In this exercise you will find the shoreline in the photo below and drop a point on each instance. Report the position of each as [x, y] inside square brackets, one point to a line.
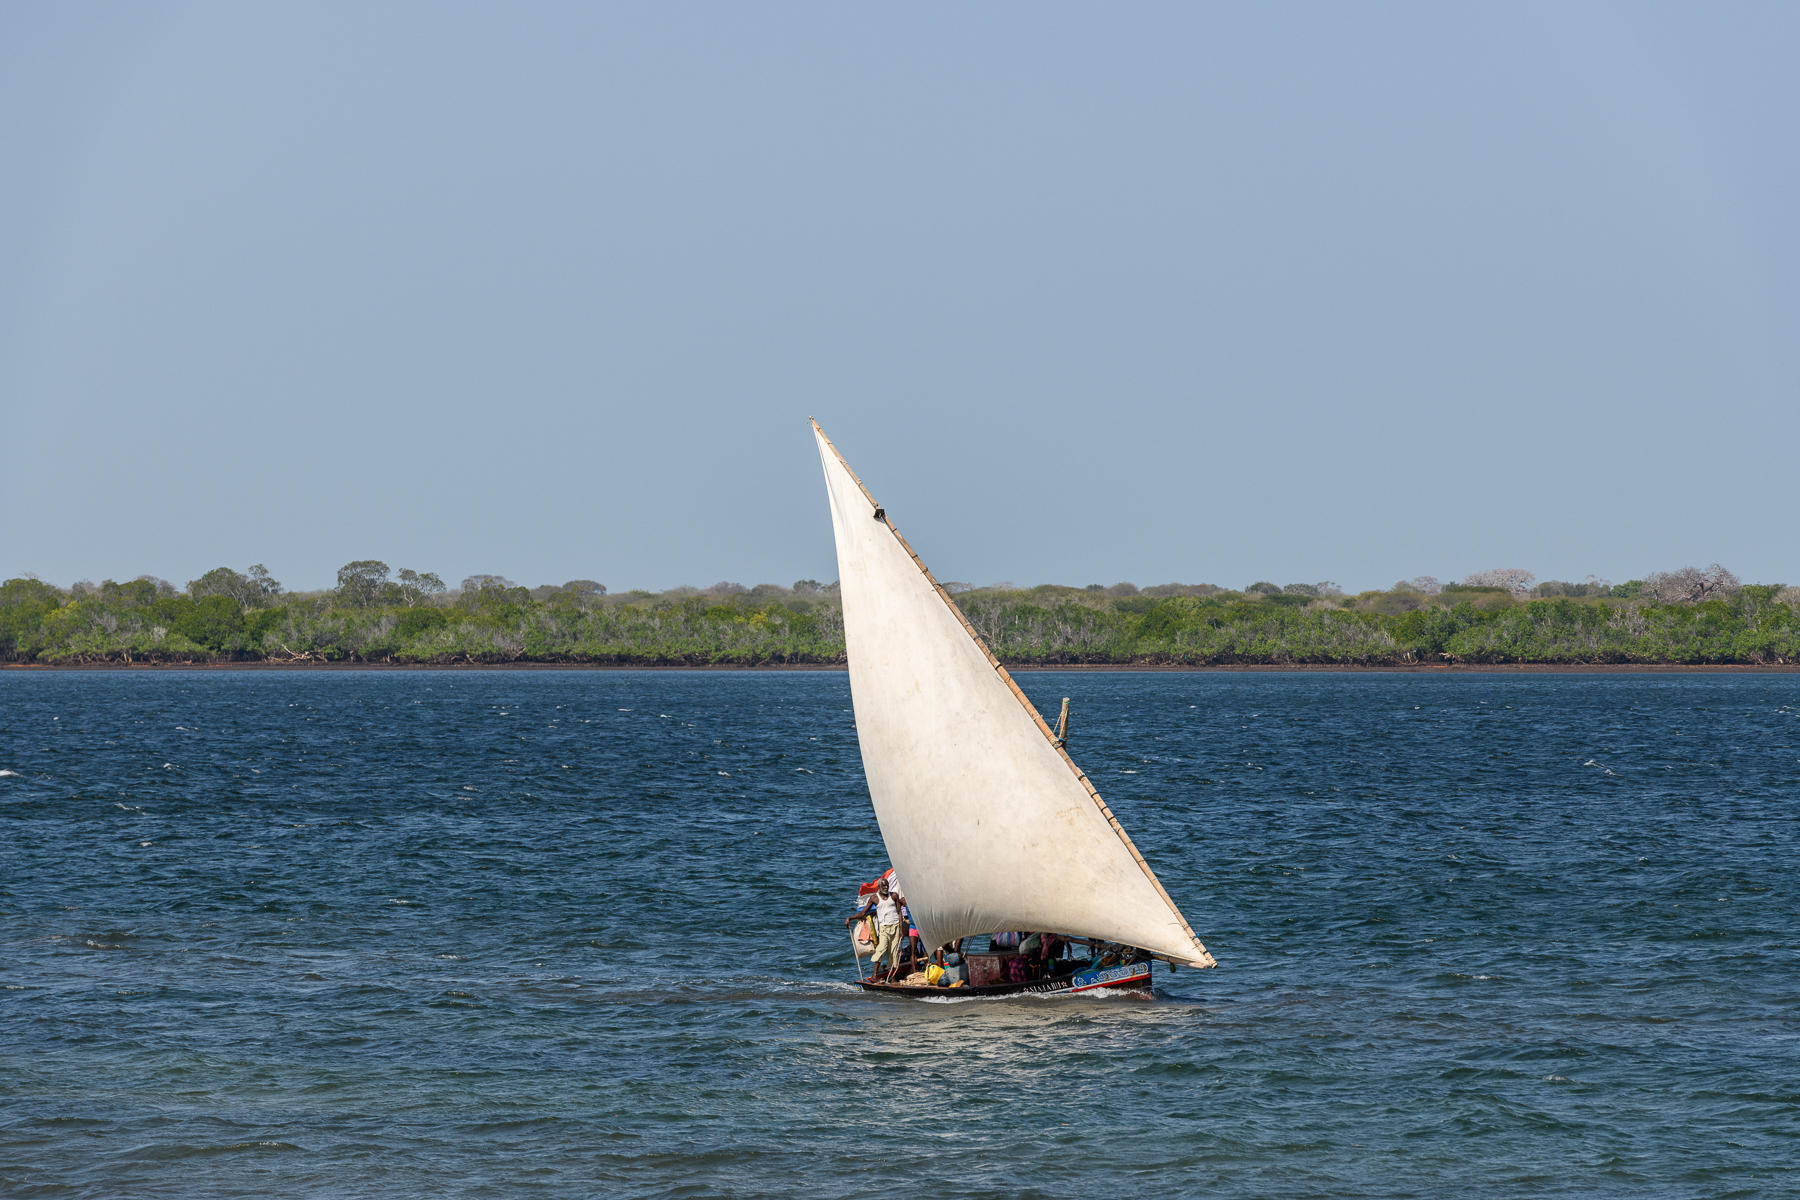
[1091, 668]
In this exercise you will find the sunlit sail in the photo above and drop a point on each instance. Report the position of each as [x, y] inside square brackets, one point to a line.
[986, 818]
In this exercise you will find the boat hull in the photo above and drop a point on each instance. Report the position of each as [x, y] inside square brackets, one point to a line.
[1133, 977]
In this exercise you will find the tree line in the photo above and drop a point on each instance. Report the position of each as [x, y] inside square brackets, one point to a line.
[379, 615]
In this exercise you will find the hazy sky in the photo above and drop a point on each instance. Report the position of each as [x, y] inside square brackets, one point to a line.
[1197, 293]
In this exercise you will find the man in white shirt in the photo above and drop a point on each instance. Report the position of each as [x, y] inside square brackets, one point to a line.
[887, 926]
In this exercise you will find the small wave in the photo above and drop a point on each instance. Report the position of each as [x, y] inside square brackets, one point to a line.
[1107, 996]
[190, 1150]
[1103, 995]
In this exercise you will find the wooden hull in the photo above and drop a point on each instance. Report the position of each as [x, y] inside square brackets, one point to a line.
[1134, 977]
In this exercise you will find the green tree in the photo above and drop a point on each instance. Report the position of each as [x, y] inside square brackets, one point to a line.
[415, 622]
[215, 622]
[475, 584]
[266, 585]
[135, 593]
[419, 587]
[24, 605]
[361, 583]
[579, 593]
[246, 591]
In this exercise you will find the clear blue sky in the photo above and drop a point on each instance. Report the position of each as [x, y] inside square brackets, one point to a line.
[1207, 293]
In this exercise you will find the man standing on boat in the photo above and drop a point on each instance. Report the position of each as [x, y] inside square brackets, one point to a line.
[887, 926]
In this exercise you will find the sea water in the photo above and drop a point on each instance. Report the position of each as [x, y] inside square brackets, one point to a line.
[560, 934]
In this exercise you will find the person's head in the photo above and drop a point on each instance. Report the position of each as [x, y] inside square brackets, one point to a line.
[884, 887]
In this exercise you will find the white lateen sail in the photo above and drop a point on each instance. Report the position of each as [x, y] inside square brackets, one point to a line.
[988, 822]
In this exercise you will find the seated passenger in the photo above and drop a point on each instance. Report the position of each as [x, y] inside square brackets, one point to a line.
[950, 957]
[1031, 955]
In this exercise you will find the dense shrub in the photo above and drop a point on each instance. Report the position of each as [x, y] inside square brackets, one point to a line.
[494, 621]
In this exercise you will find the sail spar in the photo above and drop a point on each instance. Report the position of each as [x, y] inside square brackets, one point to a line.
[989, 823]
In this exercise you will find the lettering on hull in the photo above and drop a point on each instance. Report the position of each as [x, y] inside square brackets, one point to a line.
[1110, 977]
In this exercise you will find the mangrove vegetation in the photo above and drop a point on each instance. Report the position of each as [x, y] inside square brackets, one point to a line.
[378, 615]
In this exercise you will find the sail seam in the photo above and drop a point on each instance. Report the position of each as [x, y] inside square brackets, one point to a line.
[1018, 693]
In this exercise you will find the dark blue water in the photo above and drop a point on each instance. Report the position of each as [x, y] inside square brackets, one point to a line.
[579, 934]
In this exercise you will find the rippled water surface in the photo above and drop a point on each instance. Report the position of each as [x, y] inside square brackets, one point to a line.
[579, 934]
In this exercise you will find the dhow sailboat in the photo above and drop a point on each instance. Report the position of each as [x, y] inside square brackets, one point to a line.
[993, 829]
